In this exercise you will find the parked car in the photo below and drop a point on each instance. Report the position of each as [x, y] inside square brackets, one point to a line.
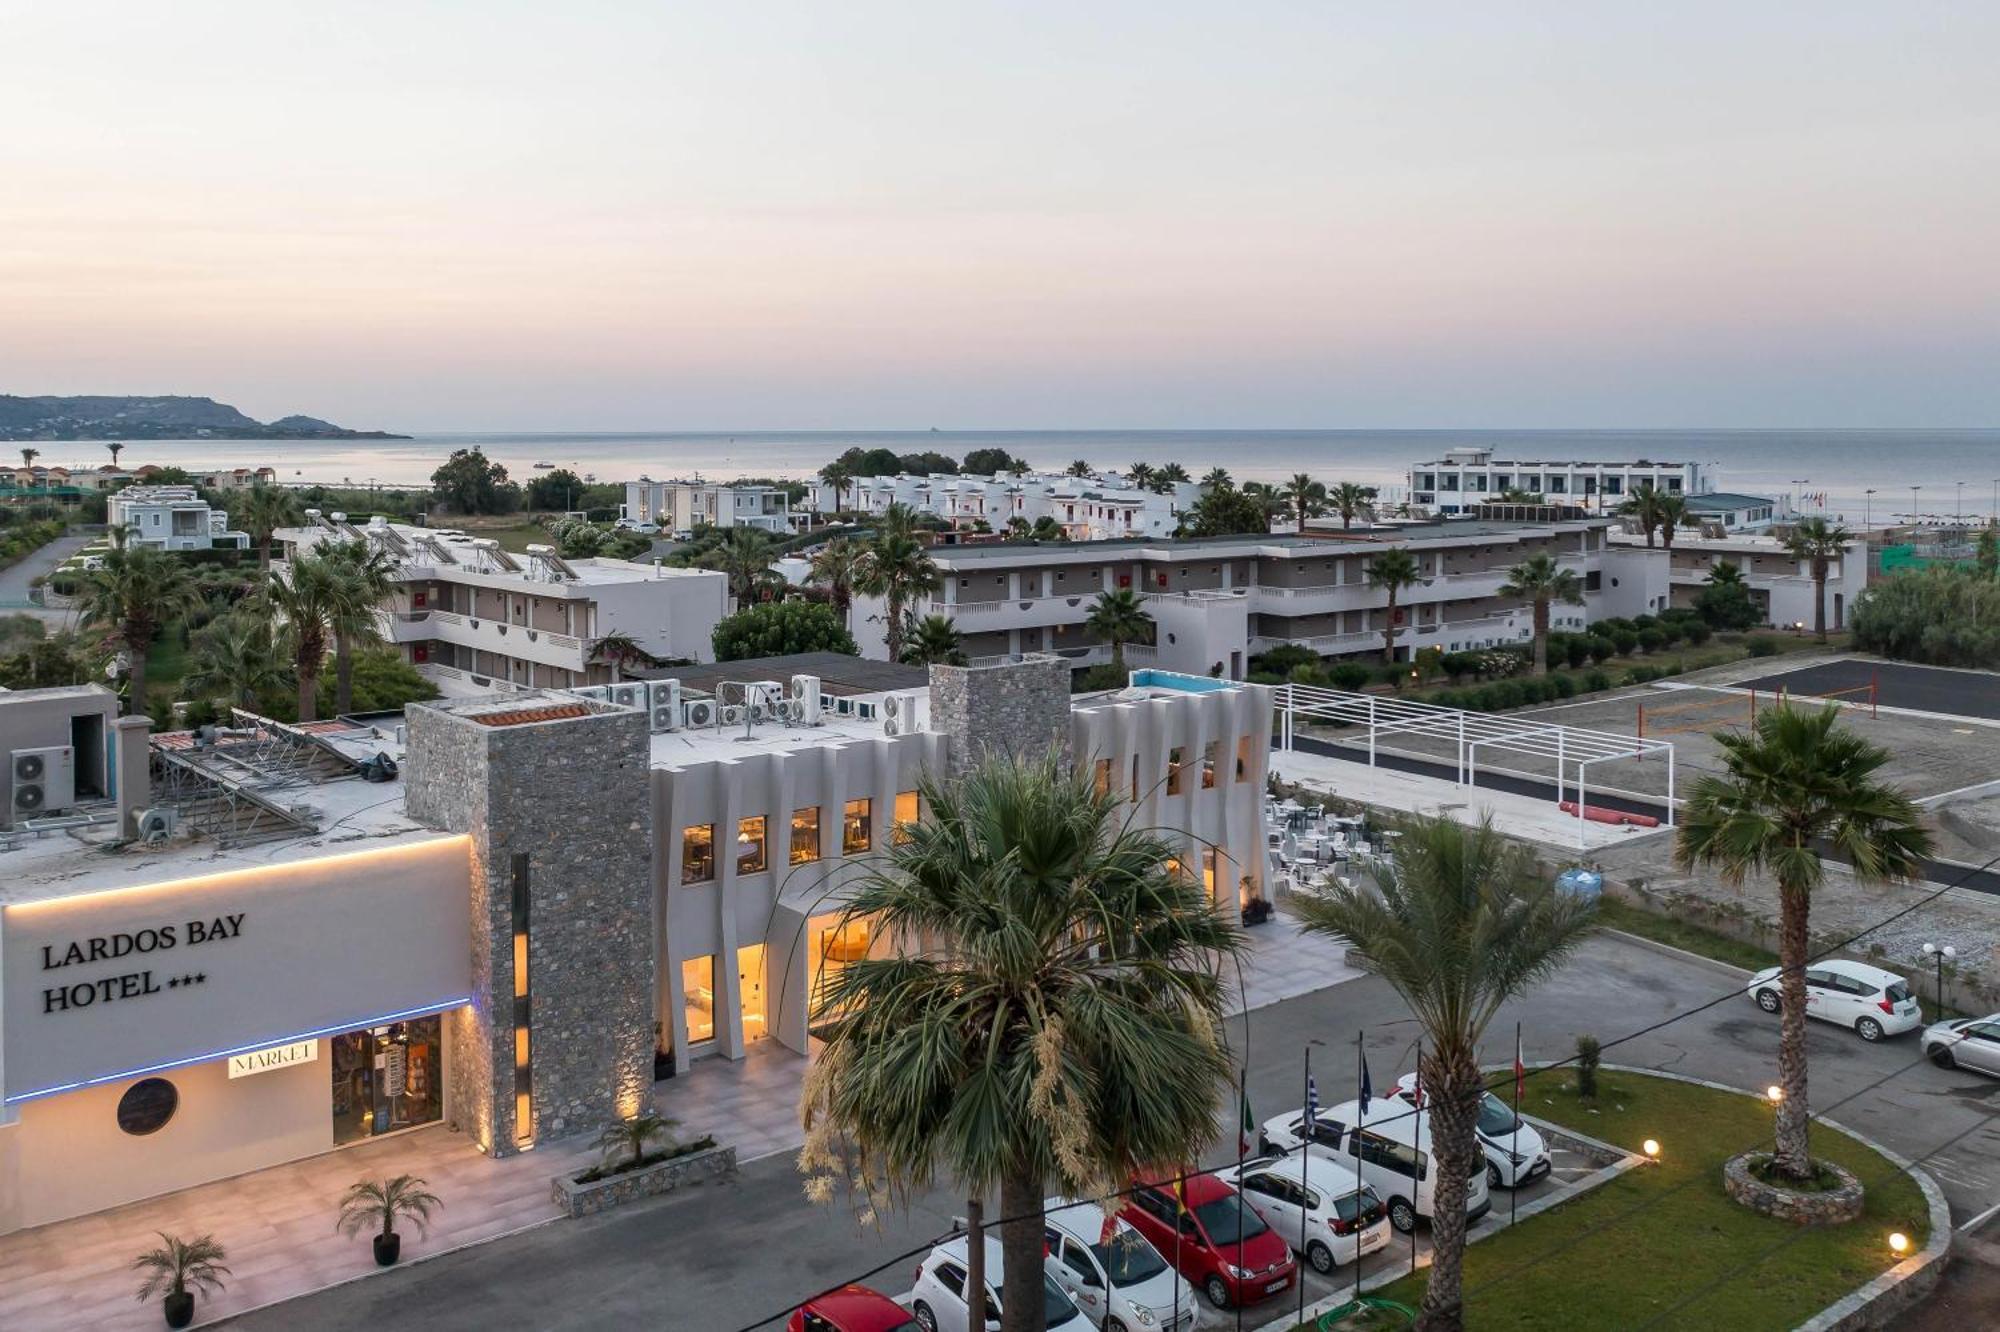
[1390, 1150]
[1320, 1208]
[1216, 1238]
[1872, 1002]
[1972, 1043]
[851, 1309]
[1121, 1284]
[638, 525]
[1515, 1153]
[938, 1298]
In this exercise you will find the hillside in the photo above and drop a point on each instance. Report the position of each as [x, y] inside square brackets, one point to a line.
[172, 417]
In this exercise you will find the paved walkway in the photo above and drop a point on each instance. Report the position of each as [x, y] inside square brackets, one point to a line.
[16, 579]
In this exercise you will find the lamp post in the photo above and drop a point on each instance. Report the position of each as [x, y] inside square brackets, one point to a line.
[1867, 506]
[1960, 515]
[1798, 492]
[1940, 955]
[1913, 503]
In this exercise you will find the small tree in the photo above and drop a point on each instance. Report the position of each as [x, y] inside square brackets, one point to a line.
[628, 1137]
[1643, 507]
[1540, 580]
[1350, 501]
[178, 1268]
[1305, 497]
[1391, 572]
[1588, 1057]
[932, 640]
[1119, 618]
[378, 1204]
[778, 628]
[1817, 543]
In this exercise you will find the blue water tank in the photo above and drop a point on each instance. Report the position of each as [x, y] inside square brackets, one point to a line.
[1580, 882]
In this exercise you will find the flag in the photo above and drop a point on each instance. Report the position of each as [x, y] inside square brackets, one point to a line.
[1312, 1105]
[1180, 1192]
[1520, 1069]
[1367, 1091]
[1246, 1134]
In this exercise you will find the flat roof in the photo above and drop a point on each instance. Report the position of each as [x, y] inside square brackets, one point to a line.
[1283, 543]
[837, 672]
[1725, 499]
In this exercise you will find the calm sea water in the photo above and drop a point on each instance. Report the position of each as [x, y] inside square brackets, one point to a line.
[1958, 470]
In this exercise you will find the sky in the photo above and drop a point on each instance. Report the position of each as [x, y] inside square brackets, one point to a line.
[644, 216]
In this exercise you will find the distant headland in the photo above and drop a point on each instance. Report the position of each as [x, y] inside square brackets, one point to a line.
[171, 417]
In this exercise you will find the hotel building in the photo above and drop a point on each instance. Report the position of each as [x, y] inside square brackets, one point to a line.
[682, 506]
[1088, 508]
[171, 518]
[225, 951]
[1780, 585]
[1465, 478]
[475, 618]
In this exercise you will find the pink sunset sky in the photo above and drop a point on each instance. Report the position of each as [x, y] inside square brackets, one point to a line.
[807, 215]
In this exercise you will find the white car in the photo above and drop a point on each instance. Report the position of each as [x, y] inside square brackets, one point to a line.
[1515, 1153]
[1121, 1286]
[1320, 1207]
[937, 1301]
[1972, 1043]
[638, 525]
[1871, 1002]
[1390, 1148]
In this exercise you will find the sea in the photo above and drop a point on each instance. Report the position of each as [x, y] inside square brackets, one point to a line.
[1852, 475]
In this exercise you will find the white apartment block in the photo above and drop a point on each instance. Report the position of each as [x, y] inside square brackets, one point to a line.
[1465, 478]
[475, 618]
[1088, 508]
[171, 518]
[682, 506]
[1780, 586]
[1215, 602]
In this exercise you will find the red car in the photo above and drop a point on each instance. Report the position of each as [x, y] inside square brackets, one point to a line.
[1223, 1244]
[851, 1309]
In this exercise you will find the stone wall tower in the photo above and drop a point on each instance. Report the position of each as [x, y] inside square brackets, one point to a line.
[1019, 707]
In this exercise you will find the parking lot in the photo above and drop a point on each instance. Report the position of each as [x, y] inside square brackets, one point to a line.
[1895, 685]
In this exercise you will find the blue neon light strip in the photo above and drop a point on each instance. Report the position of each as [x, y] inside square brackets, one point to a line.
[357, 1024]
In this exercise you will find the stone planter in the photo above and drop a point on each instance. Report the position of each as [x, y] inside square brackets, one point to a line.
[646, 1182]
[1825, 1207]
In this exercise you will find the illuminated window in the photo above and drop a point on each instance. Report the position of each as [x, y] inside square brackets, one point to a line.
[750, 982]
[1243, 754]
[698, 998]
[1102, 778]
[698, 853]
[524, 1071]
[857, 827]
[1211, 755]
[1208, 873]
[805, 835]
[750, 845]
[1176, 757]
[835, 947]
[907, 813]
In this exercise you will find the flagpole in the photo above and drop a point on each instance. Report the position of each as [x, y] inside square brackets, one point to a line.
[1242, 1099]
[1180, 1205]
[1361, 1063]
[1305, 1170]
[1419, 1137]
[1514, 1153]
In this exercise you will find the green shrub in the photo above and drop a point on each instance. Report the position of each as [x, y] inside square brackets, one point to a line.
[1349, 675]
[1627, 641]
[1651, 639]
[1596, 682]
[1643, 622]
[1283, 660]
[1588, 1056]
[1577, 650]
[1940, 616]
[1602, 649]
[1697, 632]
[1763, 645]
[1564, 686]
[1458, 664]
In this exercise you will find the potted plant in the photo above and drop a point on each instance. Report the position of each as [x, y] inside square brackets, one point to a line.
[180, 1267]
[632, 1135]
[380, 1202]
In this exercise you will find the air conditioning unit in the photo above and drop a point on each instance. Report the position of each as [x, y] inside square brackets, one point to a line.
[805, 693]
[892, 706]
[665, 700]
[760, 711]
[44, 780]
[155, 825]
[732, 714]
[629, 695]
[600, 693]
[702, 712]
[890, 726]
[794, 710]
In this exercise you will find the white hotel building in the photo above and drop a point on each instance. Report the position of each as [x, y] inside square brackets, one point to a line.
[1465, 478]
[682, 506]
[171, 518]
[1088, 508]
[224, 952]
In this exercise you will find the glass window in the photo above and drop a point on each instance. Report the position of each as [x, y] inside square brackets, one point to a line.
[1208, 873]
[1221, 1218]
[698, 998]
[1496, 1118]
[857, 827]
[389, 1078]
[698, 853]
[750, 980]
[805, 835]
[1077, 1261]
[908, 812]
[1135, 778]
[1101, 777]
[1176, 757]
[750, 845]
[147, 1105]
[1211, 755]
[1128, 1259]
[952, 1279]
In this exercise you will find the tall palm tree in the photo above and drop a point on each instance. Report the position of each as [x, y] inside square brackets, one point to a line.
[932, 640]
[835, 566]
[1350, 501]
[1391, 572]
[235, 657]
[138, 592]
[262, 510]
[1216, 478]
[1141, 475]
[1796, 780]
[1063, 1029]
[1673, 512]
[836, 475]
[28, 456]
[1079, 467]
[363, 585]
[1463, 922]
[1119, 617]
[745, 556]
[1540, 580]
[1169, 476]
[308, 598]
[1305, 496]
[1818, 543]
[116, 448]
[1643, 506]
[896, 568]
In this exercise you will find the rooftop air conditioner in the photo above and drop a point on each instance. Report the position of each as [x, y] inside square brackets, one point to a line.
[702, 712]
[155, 825]
[892, 706]
[44, 780]
[890, 726]
[600, 693]
[805, 693]
[665, 701]
[732, 714]
[629, 695]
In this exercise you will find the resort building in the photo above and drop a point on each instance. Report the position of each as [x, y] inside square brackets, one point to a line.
[1736, 513]
[473, 617]
[1463, 479]
[1087, 508]
[682, 506]
[1780, 585]
[171, 518]
[228, 950]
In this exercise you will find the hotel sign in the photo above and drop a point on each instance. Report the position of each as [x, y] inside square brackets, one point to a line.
[278, 1056]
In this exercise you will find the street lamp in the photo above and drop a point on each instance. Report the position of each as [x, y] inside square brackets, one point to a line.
[1867, 506]
[1941, 955]
[1960, 517]
[1798, 491]
[1913, 502]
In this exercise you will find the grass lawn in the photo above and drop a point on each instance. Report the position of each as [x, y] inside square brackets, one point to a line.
[1681, 934]
[1664, 1242]
[168, 661]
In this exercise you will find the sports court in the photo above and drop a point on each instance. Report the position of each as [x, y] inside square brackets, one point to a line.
[1917, 688]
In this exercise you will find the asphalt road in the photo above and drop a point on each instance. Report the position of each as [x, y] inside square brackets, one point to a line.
[716, 1258]
[15, 579]
[1918, 688]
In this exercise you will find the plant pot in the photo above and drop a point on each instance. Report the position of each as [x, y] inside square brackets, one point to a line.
[388, 1248]
[178, 1307]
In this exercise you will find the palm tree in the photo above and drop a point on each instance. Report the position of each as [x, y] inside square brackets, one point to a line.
[1540, 580]
[896, 567]
[1141, 475]
[1305, 496]
[1463, 922]
[932, 640]
[1673, 512]
[1391, 572]
[1643, 506]
[1796, 780]
[138, 592]
[1079, 467]
[371, 1203]
[1348, 500]
[235, 657]
[262, 510]
[1062, 1030]
[179, 1264]
[836, 475]
[308, 598]
[1166, 478]
[1818, 543]
[1047, 528]
[1119, 618]
[629, 1137]
[1726, 574]
[745, 556]
[363, 583]
[116, 448]
[29, 455]
[835, 566]
[1216, 478]
[618, 651]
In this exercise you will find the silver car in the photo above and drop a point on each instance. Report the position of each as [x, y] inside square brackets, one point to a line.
[1972, 1043]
